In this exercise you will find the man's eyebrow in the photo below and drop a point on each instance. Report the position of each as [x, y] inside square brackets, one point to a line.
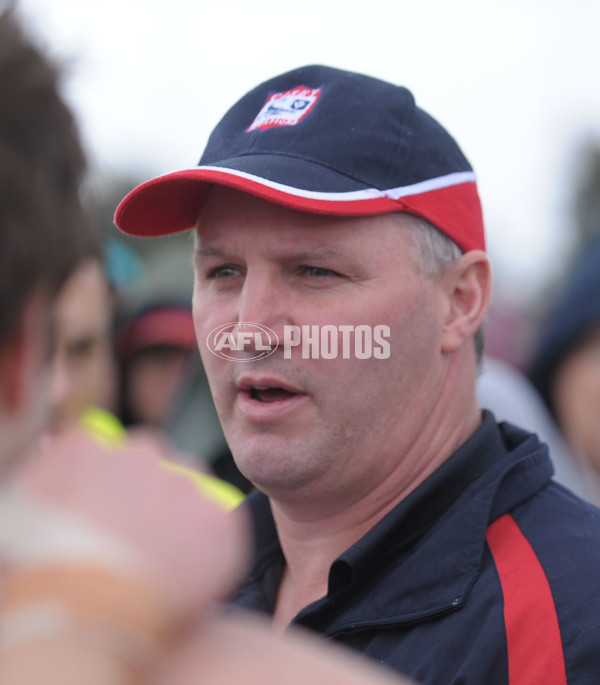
[206, 251]
[319, 251]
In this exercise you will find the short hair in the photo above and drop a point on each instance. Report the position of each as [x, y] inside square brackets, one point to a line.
[433, 252]
[43, 226]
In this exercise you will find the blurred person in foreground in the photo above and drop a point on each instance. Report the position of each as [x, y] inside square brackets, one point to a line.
[104, 556]
[565, 365]
[91, 579]
[341, 286]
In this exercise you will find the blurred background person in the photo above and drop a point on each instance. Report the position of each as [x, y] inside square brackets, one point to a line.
[511, 396]
[83, 367]
[565, 365]
[163, 395]
[154, 339]
[154, 348]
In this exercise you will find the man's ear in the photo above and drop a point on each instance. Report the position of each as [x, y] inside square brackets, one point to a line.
[468, 287]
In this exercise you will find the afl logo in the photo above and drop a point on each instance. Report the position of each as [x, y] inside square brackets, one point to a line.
[242, 342]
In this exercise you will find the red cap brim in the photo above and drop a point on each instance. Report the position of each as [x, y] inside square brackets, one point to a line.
[171, 203]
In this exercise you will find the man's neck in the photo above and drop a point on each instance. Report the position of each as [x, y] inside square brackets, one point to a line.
[310, 547]
[312, 536]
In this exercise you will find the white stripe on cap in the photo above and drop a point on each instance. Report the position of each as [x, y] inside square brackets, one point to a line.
[447, 181]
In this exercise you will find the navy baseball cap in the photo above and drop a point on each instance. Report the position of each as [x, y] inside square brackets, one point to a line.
[324, 141]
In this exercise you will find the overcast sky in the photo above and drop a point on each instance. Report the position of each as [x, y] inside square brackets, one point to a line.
[515, 82]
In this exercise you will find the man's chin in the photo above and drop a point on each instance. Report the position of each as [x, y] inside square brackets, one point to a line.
[264, 463]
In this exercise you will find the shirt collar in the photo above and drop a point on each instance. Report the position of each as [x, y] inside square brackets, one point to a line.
[431, 543]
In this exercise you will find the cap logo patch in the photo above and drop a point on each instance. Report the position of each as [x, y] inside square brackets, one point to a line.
[286, 109]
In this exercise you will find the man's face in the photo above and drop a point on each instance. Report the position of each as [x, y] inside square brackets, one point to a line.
[299, 426]
[81, 365]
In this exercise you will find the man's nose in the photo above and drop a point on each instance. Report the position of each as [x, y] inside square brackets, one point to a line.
[263, 303]
[261, 300]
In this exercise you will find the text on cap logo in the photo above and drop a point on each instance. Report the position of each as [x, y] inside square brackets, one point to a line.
[286, 109]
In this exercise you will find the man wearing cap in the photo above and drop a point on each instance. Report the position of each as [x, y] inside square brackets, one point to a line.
[341, 286]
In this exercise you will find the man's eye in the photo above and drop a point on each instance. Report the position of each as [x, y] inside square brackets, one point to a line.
[225, 271]
[319, 272]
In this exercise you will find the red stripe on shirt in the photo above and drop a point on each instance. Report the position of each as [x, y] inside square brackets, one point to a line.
[535, 653]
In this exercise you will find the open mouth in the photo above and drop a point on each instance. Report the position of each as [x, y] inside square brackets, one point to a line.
[270, 394]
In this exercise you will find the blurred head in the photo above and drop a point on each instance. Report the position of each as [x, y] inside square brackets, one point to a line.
[82, 359]
[576, 397]
[154, 348]
[565, 366]
[43, 226]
